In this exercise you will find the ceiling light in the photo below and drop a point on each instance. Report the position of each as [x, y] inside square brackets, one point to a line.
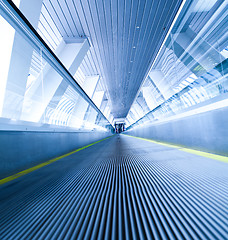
[137, 27]
[134, 47]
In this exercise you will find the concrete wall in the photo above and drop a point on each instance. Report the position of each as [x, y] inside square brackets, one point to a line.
[207, 131]
[20, 150]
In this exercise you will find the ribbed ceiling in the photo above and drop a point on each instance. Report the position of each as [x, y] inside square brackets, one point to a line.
[125, 36]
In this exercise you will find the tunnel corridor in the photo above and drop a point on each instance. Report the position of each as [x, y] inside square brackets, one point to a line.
[113, 119]
[120, 188]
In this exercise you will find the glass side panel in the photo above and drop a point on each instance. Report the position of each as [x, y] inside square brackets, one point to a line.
[192, 65]
[33, 91]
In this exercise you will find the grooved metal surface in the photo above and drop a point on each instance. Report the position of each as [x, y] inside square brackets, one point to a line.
[122, 188]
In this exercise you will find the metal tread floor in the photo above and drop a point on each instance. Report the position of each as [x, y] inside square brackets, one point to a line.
[121, 188]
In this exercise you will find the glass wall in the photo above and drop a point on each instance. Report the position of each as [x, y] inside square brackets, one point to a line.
[190, 68]
[33, 91]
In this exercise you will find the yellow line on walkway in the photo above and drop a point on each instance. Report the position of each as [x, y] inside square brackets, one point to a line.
[181, 148]
[205, 154]
[19, 174]
[157, 142]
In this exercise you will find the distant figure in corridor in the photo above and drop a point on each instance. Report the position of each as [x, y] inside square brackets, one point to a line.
[119, 127]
